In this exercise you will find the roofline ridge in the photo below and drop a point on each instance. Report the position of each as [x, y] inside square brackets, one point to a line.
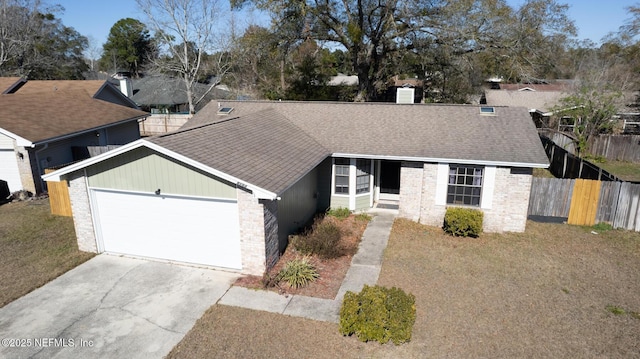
[275, 102]
[196, 127]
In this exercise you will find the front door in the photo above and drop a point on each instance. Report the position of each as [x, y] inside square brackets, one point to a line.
[389, 179]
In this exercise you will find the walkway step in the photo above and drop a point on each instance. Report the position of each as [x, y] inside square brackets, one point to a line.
[255, 299]
[326, 310]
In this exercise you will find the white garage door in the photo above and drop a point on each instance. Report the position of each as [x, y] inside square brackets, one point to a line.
[9, 170]
[199, 231]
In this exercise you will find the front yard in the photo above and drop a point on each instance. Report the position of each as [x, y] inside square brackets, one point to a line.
[554, 291]
[36, 247]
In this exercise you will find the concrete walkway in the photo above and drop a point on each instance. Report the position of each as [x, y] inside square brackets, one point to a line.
[365, 269]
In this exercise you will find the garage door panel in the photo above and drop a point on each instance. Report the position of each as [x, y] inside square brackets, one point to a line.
[9, 170]
[189, 230]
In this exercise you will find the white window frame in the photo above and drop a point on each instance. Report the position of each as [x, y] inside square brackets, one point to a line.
[335, 174]
[471, 191]
[366, 164]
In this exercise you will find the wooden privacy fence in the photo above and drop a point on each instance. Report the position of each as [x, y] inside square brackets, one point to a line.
[587, 202]
[566, 165]
[58, 197]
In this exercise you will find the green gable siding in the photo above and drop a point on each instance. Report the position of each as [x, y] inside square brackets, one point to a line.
[363, 202]
[145, 170]
[339, 202]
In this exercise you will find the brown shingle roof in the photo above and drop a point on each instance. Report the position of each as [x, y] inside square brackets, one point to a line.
[262, 148]
[41, 116]
[564, 86]
[447, 132]
[89, 87]
[6, 82]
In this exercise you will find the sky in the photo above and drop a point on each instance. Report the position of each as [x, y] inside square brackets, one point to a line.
[94, 18]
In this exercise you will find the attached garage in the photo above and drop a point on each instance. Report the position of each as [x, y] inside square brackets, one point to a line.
[191, 230]
[145, 203]
[9, 170]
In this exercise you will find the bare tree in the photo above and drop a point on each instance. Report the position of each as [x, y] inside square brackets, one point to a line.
[185, 31]
[93, 52]
[18, 18]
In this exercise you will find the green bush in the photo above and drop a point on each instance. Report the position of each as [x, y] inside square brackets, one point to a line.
[340, 212]
[363, 217]
[323, 239]
[463, 222]
[378, 313]
[603, 227]
[298, 272]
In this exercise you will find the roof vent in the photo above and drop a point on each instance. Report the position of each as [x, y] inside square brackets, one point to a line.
[225, 110]
[487, 110]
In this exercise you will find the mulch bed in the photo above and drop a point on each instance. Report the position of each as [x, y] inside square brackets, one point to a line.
[332, 271]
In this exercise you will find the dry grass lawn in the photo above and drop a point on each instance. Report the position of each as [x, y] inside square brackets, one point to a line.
[36, 247]
[556, 291]
[627, 171]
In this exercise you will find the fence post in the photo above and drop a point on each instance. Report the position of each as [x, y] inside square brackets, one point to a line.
[580, 170]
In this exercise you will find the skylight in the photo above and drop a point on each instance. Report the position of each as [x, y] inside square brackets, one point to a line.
[225, 110]
[487, 110]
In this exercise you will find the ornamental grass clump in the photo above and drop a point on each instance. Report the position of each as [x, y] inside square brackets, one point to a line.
[463, 222]
[340, 212]
[298, 272]
[378, 314]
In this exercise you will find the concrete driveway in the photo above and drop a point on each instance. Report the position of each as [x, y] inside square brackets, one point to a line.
[110, 307]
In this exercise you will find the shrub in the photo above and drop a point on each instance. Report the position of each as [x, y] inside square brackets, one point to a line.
[363, 217]
[298, 272]
[340, 212]
[378, 313]
[603, 227]
[463, 222]
[323, 239]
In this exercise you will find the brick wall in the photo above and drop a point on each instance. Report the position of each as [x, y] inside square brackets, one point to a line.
[411, 187]
[26, 170]
[258, 233]
[81, 211]
[508, 213]
[431, 214]
[510, 201]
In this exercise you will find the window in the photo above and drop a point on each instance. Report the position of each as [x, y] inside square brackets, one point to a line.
[363, 167]
[465, 185]
[342, 175]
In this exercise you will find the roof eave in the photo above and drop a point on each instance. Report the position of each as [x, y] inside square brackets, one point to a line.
[20, 141]
[114, 89]
[258, 192]
[444, 160]
[74, 134]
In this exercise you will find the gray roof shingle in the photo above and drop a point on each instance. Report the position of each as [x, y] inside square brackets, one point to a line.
[448, 132]
[262, 148]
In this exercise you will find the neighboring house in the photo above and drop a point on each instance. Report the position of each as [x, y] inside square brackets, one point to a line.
[166, 99]
[408, 90]
[46, 124]
[540, 99]
[228, 188]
